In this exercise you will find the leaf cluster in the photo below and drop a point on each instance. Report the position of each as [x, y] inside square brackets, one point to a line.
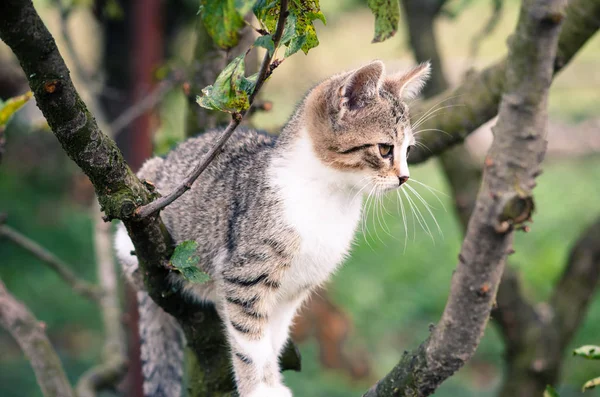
[224, 19]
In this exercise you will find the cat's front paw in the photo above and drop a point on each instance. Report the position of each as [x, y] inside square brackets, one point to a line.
[270, 391]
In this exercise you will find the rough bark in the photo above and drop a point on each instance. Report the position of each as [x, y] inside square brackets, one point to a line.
[504, 202]
[29, 334]
[476, 100]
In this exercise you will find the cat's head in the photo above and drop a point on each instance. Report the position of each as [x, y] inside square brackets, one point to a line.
[359, 122]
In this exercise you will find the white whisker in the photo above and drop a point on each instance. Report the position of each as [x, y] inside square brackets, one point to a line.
[433, 191]
[419, 216]
[427, 207]
[401, 209]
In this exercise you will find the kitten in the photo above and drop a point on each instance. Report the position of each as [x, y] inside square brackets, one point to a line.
[275, 217]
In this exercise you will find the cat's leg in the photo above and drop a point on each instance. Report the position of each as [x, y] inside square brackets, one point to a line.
[282, 319]
[249, 301]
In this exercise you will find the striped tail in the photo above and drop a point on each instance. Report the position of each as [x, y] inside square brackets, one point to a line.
[161, 338]
[162, 348]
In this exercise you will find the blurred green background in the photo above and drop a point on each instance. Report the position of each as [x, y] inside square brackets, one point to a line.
[390, 293]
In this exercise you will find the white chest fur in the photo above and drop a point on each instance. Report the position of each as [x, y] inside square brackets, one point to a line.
[321, 204]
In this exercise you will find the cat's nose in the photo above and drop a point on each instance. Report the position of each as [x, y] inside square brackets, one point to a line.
[402, 179]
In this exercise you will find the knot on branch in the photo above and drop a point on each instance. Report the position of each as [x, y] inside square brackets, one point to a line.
[515, 212]
[50, 87]
[124, 203]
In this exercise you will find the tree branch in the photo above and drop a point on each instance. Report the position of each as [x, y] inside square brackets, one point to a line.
[265, 71]
[118, 190]
[576, 287]
[113, 367]
[476, 100]
[79, 286]
[504, 202]
[29, 334]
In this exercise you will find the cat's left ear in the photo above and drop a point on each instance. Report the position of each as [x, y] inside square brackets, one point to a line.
[409, 84]
[362, 86]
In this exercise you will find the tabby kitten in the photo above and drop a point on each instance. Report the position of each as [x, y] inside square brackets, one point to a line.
[275, 217]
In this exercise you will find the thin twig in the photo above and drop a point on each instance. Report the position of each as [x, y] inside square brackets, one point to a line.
[78, 285]
[29, 334]
[113, 366]
[265, 71]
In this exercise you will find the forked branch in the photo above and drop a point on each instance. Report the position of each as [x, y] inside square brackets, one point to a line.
[504, 202]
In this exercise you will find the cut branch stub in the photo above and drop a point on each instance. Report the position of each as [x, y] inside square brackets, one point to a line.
[516, 211]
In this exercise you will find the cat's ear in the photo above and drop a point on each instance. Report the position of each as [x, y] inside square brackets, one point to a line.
[361, 86]
[409, 84]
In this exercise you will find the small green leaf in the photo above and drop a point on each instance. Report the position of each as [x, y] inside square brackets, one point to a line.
[266, 42]
[289, 30]
[11, 106]
[185, 261]
[195, 275]
[305, 12]
[222, 21]
[229, 92]
[267, 13]
[299, 27]
[590, 384]
[295, 45]
[588, 351]
[550, 392]
[387, 17]
[248, 83]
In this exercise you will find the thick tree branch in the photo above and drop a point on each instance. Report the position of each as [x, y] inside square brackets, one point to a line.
[118, 190]
[79, 286]
[476, 100]
[29, 334]
[504, 202]
[265, 71]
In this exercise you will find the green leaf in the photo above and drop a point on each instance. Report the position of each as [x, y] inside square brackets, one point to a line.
[305, 12]
[289, 30]
[387, 17]
[248, 83]
[550, 392]
[266, 42]
[588, 351]
[223, 21]
[299, 27]
[267, 13]
[185, 261]
[228, 93]
[590, 384]
[11, 106]
[295, 45]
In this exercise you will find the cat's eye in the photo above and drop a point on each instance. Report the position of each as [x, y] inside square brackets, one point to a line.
[408, 151]
[385, 150]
